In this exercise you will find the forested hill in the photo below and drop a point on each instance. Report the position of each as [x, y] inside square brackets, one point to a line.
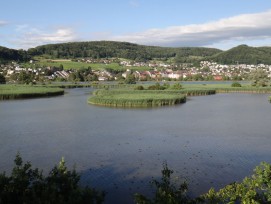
[243, 54]
[103, 49]
[7, 55]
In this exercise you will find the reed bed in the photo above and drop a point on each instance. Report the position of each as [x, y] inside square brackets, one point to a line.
[10, 92]
[118, 98]
[244, 90]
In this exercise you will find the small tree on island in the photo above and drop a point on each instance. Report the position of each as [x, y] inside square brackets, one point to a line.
[259, 77]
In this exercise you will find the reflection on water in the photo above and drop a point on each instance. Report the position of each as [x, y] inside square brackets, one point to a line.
[209, 141]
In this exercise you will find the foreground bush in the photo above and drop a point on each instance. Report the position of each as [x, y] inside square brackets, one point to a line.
[26, 186]
[255, 189]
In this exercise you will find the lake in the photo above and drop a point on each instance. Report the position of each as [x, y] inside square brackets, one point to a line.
[208, 141]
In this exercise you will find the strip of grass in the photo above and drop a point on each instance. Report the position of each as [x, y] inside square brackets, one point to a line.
[9, 92]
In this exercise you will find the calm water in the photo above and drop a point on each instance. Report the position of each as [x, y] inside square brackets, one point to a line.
[210, 140]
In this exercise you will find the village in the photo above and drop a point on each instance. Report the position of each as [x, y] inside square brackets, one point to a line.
[157, 71]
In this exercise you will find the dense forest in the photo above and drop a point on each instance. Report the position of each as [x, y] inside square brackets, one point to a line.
[241, 54]
[7, 55]
[108, 49]
[244, 54]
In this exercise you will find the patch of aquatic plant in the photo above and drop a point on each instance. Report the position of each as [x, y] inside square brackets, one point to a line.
[8, 92]
[244, 90]
[119, 98]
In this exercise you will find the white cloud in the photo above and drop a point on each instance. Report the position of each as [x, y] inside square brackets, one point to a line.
[28, 37]
[3, 23]
[241, 27]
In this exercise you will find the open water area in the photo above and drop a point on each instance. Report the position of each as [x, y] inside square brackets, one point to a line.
[210, 141]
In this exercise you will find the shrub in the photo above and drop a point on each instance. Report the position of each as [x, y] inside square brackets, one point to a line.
[27, 185]
[176, 86]
[139, 88]
[236, 84]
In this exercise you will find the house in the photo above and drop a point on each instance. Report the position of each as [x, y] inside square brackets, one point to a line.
[218, 78]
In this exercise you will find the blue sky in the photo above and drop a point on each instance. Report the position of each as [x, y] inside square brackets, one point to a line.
[221, 24]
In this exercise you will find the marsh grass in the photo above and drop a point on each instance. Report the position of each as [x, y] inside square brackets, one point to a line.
[9, 92]
[127, 97]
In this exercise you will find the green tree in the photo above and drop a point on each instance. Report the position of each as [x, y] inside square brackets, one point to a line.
[259, 77]
[255, 189]
[236, 84]
[2, 79]
[130, 79]
[28, 185]
[165, 191]
[24, 77]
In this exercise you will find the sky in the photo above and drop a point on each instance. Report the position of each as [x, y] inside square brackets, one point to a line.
[221, 24]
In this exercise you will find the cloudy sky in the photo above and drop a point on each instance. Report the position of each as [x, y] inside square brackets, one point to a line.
[220, 24]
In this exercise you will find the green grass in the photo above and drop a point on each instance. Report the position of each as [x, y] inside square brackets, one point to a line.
[78, 65]
[8, 92]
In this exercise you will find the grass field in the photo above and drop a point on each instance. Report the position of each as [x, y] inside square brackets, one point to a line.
[8, 92]
[68, 64]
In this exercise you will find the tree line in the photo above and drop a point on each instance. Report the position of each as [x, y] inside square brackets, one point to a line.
[241, 54]
[109, 49]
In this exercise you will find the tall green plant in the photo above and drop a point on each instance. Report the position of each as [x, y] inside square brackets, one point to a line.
[165, 191]
[26, 185]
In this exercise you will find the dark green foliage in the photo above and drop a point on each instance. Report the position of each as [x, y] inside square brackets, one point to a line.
[2, 79]
[108, 49]
[236, 84]
[243, 54]
[139, 87]
[259, 78]
[254, 189]
[157, 86]
[28, 185]
[165, 191]
[7, 55]
[130, 79]
[176, 86]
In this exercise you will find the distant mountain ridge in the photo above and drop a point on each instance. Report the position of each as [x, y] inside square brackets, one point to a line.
[241, 54]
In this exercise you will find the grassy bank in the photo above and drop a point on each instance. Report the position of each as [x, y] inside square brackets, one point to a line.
[124, 98]
[9, 92]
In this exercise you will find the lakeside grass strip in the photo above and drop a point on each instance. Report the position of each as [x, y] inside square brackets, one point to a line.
[263, 90]
[135, 98]
[11, 92]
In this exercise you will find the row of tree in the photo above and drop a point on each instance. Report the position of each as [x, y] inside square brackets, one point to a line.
[109, 49]
[242, 54]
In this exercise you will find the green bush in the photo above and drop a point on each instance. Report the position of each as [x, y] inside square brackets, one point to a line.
[139, 88]
[236, 84]
[26, 185]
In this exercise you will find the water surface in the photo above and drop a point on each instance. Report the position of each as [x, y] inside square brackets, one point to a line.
[209, 140]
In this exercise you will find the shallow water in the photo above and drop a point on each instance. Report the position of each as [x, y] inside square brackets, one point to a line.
[209, 140]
